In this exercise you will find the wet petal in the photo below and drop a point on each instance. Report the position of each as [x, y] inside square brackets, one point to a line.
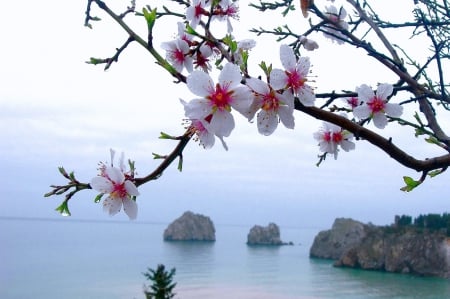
[115, 174]
[200, 83]
[222, 123]
[131, 188]
[287, 116]
[303, 66]
[258, 86]
[347, 145]
[112, 205]
[207, 139]
[278, 79]
[384, 91]
[101, 184]
[380, 120]
[365, 93]
[197, 108]
[242, 99]
[130, 208]
[306, 96]
[287, 57]
[267, 122]
[361, 112]
[230, 76]
[393, 110]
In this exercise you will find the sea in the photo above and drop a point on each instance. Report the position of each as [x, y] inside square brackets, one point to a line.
[74, 259]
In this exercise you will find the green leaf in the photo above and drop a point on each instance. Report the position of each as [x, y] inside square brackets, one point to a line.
[180, 164]
[63, 209]
[98, 198]
[410, 184]
[416, 116]
[95, 61]
[432, 140]
[434, 173]
[157, 156]
[191, 30]
[150, 17]
[166, 136]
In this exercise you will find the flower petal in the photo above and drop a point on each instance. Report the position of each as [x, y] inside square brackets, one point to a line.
[131, 188]
[380, 120]
[393, 110]
[287, 116]
[278, 79]
[242, 99]
[267, 122]
[197, 108]
[306, 95]
[287, 57]
[365, 93]
[362, 111]
[222, 123]
[101, 184]
[303, 66]
[347, 145]
[384, 91]
[130, 208]
[200, 83]
[230, 76]
[112, 205]
[258, 86]
[115, 175]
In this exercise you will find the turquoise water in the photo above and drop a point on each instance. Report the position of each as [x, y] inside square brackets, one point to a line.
[72, 259]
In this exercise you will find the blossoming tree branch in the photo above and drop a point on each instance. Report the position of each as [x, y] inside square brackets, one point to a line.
[215, 70]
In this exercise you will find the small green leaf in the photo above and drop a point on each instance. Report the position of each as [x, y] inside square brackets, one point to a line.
[410, 184]
[95, 61]
[166, 136]
[157, 156]
[432, 140]
[419, 132]
[190, 30]
[434, 173]
[416, 116]
[180, 164]
[150, 17]
[63, 209]
[98, 198]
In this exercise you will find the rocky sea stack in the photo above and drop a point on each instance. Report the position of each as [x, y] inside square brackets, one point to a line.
[191, 227]
[385, 248]
[268, 235]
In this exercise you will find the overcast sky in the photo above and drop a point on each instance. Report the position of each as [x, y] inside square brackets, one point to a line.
[56, 110]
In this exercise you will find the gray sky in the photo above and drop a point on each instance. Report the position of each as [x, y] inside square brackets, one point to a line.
[56, 110]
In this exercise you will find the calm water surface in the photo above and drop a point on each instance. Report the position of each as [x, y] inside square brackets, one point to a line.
[72, 260]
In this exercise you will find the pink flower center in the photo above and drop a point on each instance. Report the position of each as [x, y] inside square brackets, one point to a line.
[119, 191]
[221, 98]
[376, 104]
[337, 137]
[295, 80]
[199, 11]
[201, 60]
[327, 136]
[353, 102]
[199, 127]
[270, 102]
[178, 55]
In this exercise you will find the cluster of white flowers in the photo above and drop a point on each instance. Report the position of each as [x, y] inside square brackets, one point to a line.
[271, 101]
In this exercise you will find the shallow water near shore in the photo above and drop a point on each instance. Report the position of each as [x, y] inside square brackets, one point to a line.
[90, 259]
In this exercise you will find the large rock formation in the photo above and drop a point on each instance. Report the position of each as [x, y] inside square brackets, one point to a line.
[190, 227]
[344, 234]
[268, 235]
[385, 248]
